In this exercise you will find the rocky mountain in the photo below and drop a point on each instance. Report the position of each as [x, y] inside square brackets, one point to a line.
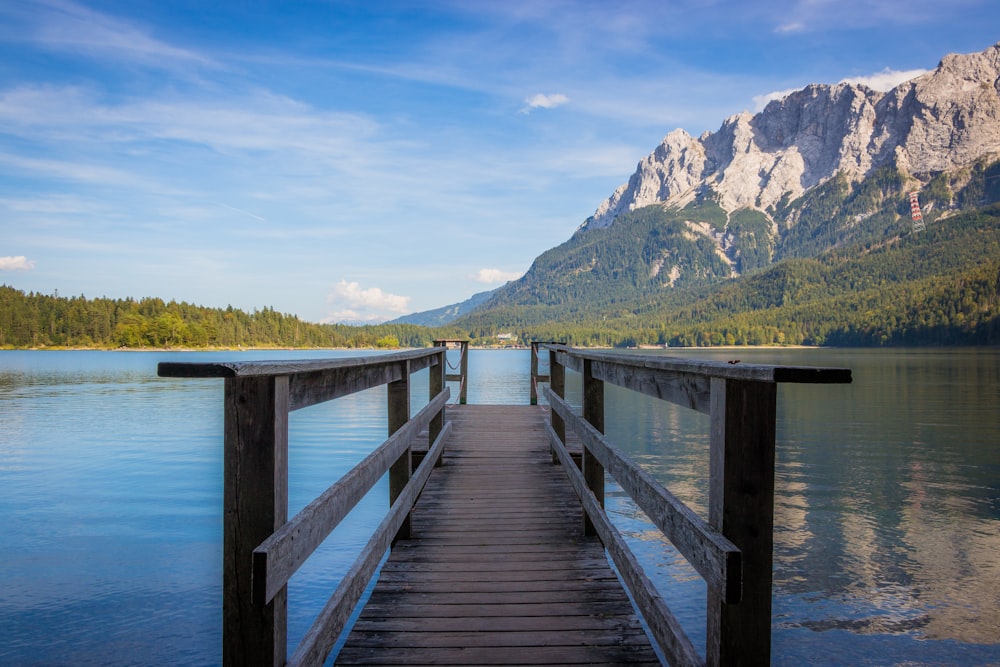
[826, 167]
[944, 120]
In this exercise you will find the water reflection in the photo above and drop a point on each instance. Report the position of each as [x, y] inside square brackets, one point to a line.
[886, 508]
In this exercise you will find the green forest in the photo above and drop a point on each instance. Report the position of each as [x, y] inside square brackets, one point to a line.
[936, 287]
[42, 321]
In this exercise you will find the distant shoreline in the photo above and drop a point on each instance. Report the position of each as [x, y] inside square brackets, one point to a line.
[641, 348]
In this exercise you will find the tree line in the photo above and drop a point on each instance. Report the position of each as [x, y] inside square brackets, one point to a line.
[34, 320]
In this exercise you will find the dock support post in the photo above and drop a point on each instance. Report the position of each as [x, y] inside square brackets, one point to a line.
[534, 373]
[557, 382]
[255, 504]
[462, 377]
[593, 412]
[437, 384]
[464, 371]
[399, 413]
[741, 506]
[535, 377]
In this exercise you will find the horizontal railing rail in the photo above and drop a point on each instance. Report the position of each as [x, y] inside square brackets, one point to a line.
[715, 558]
[262, 549]
[279, 556]
[732, 550]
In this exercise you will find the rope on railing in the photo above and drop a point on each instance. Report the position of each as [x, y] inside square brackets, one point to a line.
[461, 387]
[461, 356]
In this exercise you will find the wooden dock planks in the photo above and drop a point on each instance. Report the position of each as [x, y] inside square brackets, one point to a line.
[498, 570]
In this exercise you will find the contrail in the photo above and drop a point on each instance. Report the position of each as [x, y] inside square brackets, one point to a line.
[239, 210]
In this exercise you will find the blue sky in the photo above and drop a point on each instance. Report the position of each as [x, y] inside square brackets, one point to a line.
[361, 160]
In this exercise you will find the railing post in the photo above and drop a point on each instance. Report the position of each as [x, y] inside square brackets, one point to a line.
[535, 377]
[557, 382]
[464, 392]
[534, 373]
[255, 500]
[593, 412]
[437, 384]
[399, 413]
[463, 374]
[741, 507]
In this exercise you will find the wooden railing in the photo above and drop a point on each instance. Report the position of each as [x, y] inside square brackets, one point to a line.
[732, 550]
[462, 376]
[261, 547]
[536, 377]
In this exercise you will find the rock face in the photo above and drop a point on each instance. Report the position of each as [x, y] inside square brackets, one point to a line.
[943, 120]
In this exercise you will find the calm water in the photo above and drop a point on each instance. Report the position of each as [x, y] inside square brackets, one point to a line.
[887, 508]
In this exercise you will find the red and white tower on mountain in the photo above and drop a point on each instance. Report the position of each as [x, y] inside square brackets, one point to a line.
[915, 214]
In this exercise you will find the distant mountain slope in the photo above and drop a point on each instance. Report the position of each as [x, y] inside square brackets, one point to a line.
[444, 315]
[940, 286]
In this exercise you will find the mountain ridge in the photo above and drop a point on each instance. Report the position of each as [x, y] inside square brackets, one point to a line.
[942, 120]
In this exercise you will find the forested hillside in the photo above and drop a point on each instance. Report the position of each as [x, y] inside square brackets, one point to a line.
[38, 320]
[936, 287]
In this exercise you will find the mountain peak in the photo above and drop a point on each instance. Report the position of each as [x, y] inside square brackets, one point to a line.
[945, 119]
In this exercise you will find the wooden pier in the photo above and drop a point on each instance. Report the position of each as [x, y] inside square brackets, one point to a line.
[499, 549]
[498, 570]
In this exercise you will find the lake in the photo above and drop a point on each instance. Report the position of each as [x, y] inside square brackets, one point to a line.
[887, 508]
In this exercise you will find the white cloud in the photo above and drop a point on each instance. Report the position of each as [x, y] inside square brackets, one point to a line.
[760, 101]
[357, 304]
[18, 263]
[885, 80]
[786, 28]
[542, 101]
[492, 276]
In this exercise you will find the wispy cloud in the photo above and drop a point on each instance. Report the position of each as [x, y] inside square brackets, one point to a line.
[353, 303]
[494, 276]
[18, 263]
[761, 101]
[250, 121]
[68, 26]
[788, 28]
[542, 101]
[885, 80]
[246, 213]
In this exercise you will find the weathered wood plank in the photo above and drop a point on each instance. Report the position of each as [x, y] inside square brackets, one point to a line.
[490, 655]
[495, 638]
[690, 390]
[255, 500]
[497, 567]
[574, 358]
[398, 412]
[553, 624]
[403, 583]
[741, 507]
[419, 359]
[593, 414]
